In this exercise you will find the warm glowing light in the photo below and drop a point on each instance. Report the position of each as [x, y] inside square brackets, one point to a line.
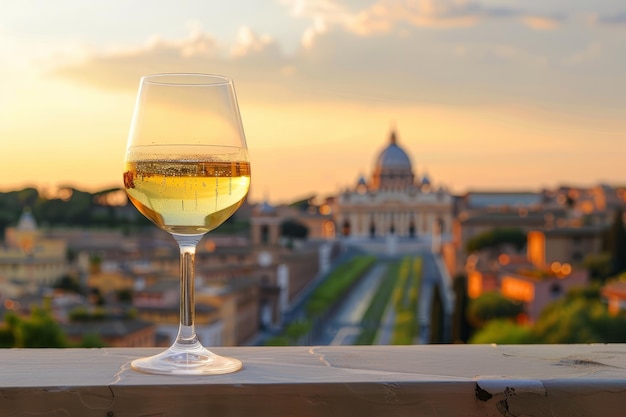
[555, 267]
[518, 289]
[9, 304]
[536, 248]
[209, 245]
[325, 209]
[504, 259]
[588, 207]
[566, 269]
[474, 284]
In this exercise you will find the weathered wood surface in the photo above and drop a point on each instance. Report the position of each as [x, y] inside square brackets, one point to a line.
[428, 380]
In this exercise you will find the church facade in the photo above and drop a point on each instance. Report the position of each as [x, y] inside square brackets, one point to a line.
[393, 201]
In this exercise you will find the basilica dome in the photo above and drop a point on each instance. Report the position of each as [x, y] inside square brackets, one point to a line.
[393, 169]
[393, 156]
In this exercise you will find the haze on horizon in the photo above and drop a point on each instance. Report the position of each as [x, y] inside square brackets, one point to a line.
[483, 94]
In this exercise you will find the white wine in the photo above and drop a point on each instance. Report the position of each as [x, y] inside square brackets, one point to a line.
[190, 194]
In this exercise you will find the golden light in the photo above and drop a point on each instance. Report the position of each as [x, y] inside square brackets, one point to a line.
[566, 269]
[555, 267]
[209, 245]
[504, 259]
[517, 289]
[587, 207]
[474, 284]
[325, 209]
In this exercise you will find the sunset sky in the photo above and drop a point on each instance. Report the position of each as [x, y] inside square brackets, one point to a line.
[505, 94]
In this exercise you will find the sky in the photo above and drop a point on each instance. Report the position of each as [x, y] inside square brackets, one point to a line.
[483, 95]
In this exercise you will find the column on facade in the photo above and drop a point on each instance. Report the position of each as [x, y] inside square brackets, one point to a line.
[354, 223]
[379, 223]
[358, 223]
[405, 223]
[427, 222]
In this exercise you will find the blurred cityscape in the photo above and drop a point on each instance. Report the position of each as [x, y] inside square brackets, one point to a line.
[394, 259]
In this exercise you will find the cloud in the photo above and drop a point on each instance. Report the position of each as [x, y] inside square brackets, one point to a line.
[373, 55]
[385, 16]
[540, 22]
[120, 68]
[615, 19]
[249, 42]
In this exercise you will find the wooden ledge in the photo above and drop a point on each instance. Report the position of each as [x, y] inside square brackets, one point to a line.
[424, 380]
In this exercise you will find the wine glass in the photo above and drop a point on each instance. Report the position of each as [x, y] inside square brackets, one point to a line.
[187, 170]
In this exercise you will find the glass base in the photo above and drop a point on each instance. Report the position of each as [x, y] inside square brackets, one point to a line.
[186, 361]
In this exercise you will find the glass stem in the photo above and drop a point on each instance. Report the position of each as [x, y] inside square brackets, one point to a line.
[187, 332]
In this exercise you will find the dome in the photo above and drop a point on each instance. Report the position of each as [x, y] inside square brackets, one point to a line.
[266, 208]
[393, 169]
[393, 156]
[26, 222]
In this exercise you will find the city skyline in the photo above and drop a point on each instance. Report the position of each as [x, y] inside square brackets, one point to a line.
[483, 95]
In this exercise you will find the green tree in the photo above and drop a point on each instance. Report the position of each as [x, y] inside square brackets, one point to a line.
[496, 238]
[580, 317]
[293, 230]
[91, 340]
[617, 243]
[69, 283]
[600, 266]
[39, 330]
[8, 330]
[461, 329]
[503, 332]
[124, 295]
[492, 305]
[436, 317]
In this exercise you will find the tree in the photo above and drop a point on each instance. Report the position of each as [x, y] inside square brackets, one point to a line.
[600, 266]
[617, 243]
[461, 328]
[580, 317]
[69, 283]
[39, 330]
[293, 230]
[492, 305]
[496, 238]
[503, 332]
[124, 295]
[91, 340]
[8, 330]
[436, 318]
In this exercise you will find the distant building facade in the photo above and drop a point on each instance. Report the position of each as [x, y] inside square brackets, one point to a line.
[29, 260]
[393, 202]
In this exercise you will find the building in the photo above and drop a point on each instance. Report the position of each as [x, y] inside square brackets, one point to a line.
[534, 287]
[393, 202]
[285, 268]
[29, 260]
[566, 244]
[113, 333]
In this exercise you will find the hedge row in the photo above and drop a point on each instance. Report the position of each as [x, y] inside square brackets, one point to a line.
[374, 313]
[405, 301]
[324, 298]
[337, 284]
[399, 289]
